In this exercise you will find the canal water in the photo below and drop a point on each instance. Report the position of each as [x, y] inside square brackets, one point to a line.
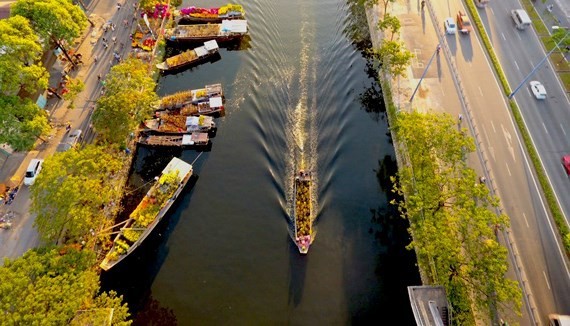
[300, 93]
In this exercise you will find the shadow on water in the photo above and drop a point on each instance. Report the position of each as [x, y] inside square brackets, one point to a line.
[297, 273]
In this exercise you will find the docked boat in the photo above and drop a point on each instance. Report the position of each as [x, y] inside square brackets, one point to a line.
[212, 107]
[302, 210]
[228, 30]
[190, 57]
[195, 15]
[195, 139]
[179, 124]
[149, 212]
[194, 96]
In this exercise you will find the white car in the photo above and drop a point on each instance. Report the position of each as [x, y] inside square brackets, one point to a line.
[538, 90]
[449, 26]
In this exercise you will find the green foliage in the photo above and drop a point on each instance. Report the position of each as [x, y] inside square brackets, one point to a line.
[150, 4]
[71, 190]
[59, 19]
[18, 63]
[394, 56]
[75, 87]
[46, 286]
[129, 100]
[390, 23]
[562, 36]
[21, 122]
[451, 217]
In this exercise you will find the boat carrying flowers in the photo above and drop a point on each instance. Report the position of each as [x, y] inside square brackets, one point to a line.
[194, 96]
[149, 212]
[228, 30]
[190, 57]
[302, 211]
[193, 15]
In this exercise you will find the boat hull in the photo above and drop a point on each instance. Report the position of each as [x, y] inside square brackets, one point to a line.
[176, 164]
[189, 20]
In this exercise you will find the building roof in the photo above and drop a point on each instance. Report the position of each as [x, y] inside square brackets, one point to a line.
[429, 304]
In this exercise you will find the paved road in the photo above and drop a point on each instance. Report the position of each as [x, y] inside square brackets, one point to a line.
[531, 227]
[547, 122]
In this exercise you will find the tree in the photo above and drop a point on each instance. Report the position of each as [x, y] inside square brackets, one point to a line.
[394, 56]
[52, 286]
[21, 122]
[106, 309]
[451, 218]
[46, 286]
[19, 54]
[128, 100]
[561, 36]
[390, 23]
[53, 19]
[69, 194]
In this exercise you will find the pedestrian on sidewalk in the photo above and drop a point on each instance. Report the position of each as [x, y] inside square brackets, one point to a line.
[113, 27]
[423, 4]
[95, 58]
[118, 6]
[99, 77]
[460, 118]
[438, 48]
[114, 40]
[126, 23]
[105, 45]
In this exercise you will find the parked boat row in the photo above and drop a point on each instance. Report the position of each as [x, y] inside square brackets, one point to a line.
[196, 15]
[194, 96]
[180, 124]
[149, 212]
[227, 30]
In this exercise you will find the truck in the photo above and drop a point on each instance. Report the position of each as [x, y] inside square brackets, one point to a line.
[463, 23]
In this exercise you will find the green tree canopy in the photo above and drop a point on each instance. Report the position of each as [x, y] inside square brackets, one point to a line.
[21, 122]
[452, 218]
[57, 19]
[394, 56]
[46, 286]
[70, 193]
[19, 55]
[390, 23]
[129, 99]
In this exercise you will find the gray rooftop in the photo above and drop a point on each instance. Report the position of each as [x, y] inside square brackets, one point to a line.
[429, 304]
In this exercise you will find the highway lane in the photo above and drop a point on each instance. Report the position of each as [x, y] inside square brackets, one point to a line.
[547, 121]
[509, 166]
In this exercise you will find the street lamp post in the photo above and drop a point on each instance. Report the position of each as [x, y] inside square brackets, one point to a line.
[538, 66]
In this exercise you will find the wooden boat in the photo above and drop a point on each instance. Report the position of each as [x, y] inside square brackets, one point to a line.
[194, 139]
[195, 96]
[302, 210]
[228, 30]
[194, 15]
[190, 57]
[149, 212]
[179, 124]
[213, 106]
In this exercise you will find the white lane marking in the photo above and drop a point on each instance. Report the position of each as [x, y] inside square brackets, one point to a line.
[504, 38]
[526, 221]
[546, 278]
[492, 12]
[509, 139]
[546, 130]
[493, 125]
[562, 127]
[516, 64]
[491, 149]
[508, 170]
[480, 91]
[519, 36]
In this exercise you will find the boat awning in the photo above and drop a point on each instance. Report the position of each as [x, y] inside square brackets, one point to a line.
[211, 45]
[201, 51]
[187, 140]
[200, 137]
[234, 26]
[216, 102]
[192, 121]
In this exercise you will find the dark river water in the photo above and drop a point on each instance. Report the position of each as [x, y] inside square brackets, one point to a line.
[299, 94]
